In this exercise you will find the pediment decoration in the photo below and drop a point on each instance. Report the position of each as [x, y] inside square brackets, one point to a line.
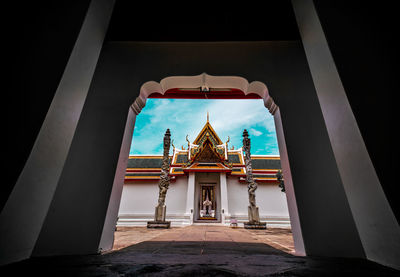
[207, 148]
[208, 154]
[208, 132]
[198, 146]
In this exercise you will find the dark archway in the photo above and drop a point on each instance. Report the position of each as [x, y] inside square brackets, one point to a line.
[121, 71]
[60, 202]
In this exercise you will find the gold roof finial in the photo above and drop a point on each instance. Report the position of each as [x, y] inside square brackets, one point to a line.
[208, 117]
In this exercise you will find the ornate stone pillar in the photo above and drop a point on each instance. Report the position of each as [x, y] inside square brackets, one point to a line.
[160, 210]
[254, 217]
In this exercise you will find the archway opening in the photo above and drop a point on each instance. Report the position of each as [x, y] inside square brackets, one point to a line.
[225, 188]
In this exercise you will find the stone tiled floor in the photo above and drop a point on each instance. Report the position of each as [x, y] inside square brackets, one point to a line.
[197, 251]
[276, 237]
[126, 236]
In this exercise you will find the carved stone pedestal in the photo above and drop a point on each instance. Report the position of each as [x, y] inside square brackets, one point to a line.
[255, 225]
[160, 212]
[254, 219]
[159, 224]
[253, 214]
[159, 218]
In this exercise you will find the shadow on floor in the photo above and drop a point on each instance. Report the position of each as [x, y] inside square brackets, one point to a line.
[199, 248]
[195, 258]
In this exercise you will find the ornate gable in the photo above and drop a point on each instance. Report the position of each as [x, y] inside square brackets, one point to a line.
[208, 154]
[207, 147]
[207, 131]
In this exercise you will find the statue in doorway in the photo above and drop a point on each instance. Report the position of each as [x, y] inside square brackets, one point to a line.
[207, 204]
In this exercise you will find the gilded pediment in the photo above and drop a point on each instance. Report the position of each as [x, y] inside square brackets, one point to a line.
[208, 154]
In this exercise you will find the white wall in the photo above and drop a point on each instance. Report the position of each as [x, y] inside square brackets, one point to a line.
[270, 200]
[140, 198]
[176, 196]
[238, 199]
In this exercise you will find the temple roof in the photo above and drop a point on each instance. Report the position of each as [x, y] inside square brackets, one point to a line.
[207, 147]
[207, 153]
[207, 129]
[145, 162]
[148, 167]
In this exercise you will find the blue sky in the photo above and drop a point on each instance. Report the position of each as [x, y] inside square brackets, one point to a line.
[188, 116]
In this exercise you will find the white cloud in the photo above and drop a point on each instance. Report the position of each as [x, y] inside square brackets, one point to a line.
[255, 132]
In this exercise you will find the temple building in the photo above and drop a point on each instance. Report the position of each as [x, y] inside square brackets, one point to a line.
[207, 185]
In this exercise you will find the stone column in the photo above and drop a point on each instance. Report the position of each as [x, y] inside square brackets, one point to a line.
[224, 197]
[289, 189]
[376, 224]
[190, 197]
[23, 216]
[107, 236]
[160, 210]
[254, 217]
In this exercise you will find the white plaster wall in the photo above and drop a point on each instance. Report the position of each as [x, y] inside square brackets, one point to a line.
[238, 199]
[140, 198]
[270, 200]
[176, 196]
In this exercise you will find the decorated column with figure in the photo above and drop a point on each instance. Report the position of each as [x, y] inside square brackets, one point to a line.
[160, 210]
[254, 217]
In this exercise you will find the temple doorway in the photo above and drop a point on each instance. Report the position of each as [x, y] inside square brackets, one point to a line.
[208, 203]
[207, 198]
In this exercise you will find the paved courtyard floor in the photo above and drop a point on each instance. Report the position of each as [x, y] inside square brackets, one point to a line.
[197, 251]
[278, 238]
